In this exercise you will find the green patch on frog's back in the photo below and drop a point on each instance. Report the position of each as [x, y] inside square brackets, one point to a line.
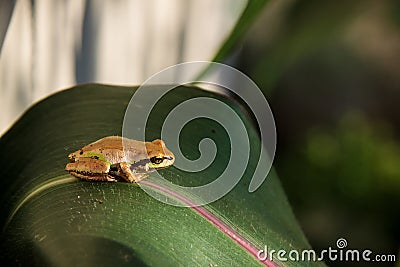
[95, 155]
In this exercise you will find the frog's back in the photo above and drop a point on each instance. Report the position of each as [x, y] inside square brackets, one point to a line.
[117, 149]
[114, 142]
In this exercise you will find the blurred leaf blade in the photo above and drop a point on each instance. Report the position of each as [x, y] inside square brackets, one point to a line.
[60, 220]
[252, 9]
[298, 37]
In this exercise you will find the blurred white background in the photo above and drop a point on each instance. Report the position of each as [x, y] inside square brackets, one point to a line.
[51, 45]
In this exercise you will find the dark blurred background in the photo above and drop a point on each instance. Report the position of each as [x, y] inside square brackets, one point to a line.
[331, 71]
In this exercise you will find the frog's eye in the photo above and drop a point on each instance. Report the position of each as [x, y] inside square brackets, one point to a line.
[156, 160]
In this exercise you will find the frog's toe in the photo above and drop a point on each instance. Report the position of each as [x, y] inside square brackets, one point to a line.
[139, 177]
[111, 179]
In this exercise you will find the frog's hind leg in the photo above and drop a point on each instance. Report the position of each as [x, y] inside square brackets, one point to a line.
[99, 178]
[126, 173]
[90, 169]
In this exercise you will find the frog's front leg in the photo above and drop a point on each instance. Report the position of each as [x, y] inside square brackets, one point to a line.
[130, 176]
[90, 169]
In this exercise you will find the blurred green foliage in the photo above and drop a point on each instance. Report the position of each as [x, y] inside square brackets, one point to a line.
[347, 180]
[330, 70]
[356, 142]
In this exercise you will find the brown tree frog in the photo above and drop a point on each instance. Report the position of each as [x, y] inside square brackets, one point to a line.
[115, 158]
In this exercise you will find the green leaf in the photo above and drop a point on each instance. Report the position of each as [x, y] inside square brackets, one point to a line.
[249, 14]
[308, 27]
[52, 218]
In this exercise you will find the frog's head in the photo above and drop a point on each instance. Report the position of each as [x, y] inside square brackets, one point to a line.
[160, 156]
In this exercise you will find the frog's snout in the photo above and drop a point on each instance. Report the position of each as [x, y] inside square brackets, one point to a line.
[170, 160]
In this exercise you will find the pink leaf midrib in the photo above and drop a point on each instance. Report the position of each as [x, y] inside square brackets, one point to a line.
[226, 229]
